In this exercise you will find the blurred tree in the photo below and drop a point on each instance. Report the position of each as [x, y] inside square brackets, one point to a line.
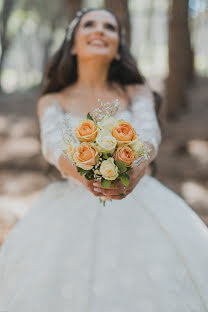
[72, 6]
[180, 58]
[7, 8]
[149, 28]
[122, 11]
[51, 15]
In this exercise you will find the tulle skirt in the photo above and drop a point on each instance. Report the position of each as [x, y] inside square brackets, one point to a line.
[147, 252]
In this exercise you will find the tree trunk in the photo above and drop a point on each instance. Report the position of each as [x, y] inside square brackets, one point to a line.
[72, 6]
[6, 11]
[149, 28]
[121, 10]
[180, 58]
[49, 41]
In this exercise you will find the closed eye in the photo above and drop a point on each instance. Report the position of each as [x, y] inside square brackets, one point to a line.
[88, 24]
[110, 27]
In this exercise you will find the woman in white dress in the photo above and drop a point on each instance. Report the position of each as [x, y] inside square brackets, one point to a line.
[146, 252]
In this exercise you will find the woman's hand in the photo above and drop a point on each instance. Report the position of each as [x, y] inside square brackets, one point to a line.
[67, 169]
[96, 188]
[121, 191]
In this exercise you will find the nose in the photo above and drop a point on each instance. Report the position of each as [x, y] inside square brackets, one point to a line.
[99, 28]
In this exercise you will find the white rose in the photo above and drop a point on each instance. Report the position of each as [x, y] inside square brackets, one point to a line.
[108, 169]
[71, 150]
[106, 142]
[107, 123]
[137, 146]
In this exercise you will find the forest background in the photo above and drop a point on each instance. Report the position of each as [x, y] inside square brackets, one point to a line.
[168, 38]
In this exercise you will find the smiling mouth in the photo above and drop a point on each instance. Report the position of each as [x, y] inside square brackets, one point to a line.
[97, 42]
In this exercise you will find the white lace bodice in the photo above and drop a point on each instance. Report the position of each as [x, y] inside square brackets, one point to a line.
[141, 115]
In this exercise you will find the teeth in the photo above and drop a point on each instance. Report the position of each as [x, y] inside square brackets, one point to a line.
[97, 42]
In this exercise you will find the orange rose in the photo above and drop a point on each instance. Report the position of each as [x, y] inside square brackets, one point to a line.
[126, 155]
[124, 133]
[85, 156]
[86, 131]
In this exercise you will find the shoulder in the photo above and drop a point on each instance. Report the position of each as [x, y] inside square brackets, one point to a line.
[45, 101]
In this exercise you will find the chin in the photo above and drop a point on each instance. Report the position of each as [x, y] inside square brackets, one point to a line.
[98, 53]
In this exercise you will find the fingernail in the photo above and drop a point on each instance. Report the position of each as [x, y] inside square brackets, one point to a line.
[97, 190]
[95, 184]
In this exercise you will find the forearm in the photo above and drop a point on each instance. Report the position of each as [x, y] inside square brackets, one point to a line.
[67, 169]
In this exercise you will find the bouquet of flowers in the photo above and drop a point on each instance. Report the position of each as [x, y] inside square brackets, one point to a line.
[102, 147]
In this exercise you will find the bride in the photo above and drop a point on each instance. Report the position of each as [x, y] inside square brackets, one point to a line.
[146, 252]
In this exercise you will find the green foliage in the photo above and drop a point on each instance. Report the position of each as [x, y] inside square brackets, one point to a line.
[121, 166]
[125, 179]
[82, 171]
[89, 117]
[105, 183]
[115, 184]
[105, 156]
[122, 195]
[89, 175]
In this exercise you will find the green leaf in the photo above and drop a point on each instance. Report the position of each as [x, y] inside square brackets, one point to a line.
[105, 156]
[121, 166]
[122, 195]
[89, 175]
[89, 116]
[125, 179]
[82, 171]
[115, 184]
[129, 168]
[105, 183]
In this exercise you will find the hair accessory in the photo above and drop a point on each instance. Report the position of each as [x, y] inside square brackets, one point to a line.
[74, 22]
[71, 27]
[117, 57]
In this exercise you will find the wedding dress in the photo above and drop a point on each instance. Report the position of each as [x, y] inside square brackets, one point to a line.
[147, 252]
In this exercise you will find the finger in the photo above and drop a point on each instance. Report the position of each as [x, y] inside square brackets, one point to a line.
[112, 191]
[97, 190]
[98, 185]
[117, 197]
[90, 182]
[115, 192]
[94, 191]
[96, 194]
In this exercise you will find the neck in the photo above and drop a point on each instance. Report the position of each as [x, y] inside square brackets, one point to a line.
[92, 73]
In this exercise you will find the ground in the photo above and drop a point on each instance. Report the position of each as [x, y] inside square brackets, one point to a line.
[182, 161]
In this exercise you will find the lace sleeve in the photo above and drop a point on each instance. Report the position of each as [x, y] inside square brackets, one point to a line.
[51, 133]
[145, 119]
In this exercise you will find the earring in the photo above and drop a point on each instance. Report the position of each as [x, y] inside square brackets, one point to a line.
[73, 52]
[117, 57]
